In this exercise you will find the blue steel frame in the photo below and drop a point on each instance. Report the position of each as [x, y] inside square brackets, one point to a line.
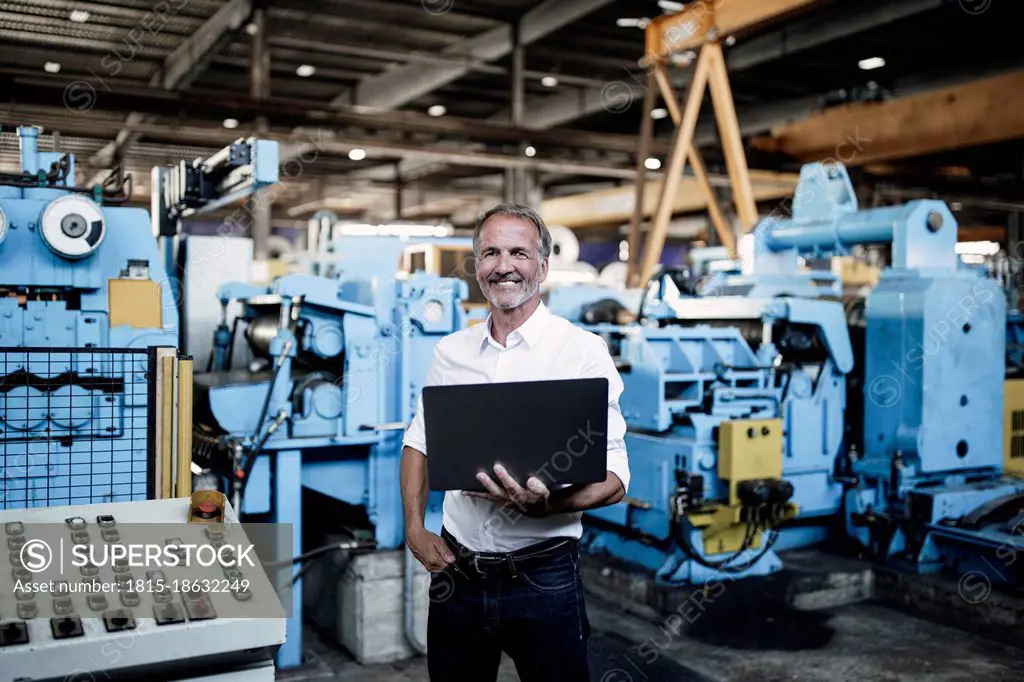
[80, 427]
[931, 474]
[682, 382]
[930, 489]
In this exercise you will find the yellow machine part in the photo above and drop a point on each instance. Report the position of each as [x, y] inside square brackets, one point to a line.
[135, 302]
[723, 530]
[749, 449]
[1013, 427]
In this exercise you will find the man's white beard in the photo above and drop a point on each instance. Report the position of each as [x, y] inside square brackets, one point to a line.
[527, 289]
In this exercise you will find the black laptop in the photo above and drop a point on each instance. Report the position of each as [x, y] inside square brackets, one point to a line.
[556, 430]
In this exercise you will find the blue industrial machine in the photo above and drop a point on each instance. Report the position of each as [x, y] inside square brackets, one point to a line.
[766, 414]
[85, 301]
[316, 421]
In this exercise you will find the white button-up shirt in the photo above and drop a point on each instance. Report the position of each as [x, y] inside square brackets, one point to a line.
[545, 347]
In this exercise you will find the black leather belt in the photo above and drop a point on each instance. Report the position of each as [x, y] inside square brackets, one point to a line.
[472, 564]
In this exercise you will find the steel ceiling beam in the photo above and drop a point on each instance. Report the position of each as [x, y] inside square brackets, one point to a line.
[401, 85]
[818, 30]
[29, 87]
[305, 147]
[180, 68]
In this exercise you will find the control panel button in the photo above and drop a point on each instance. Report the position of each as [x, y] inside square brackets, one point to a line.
[130, 598]
[90, 570]
[105, 521]
[206, 510]
[28, 610]
[96, 602]
[76, 523]
[63, 606]
[13, 633]
[118, 620]
[215, 532]
[14, 527]
[200, 609]
[66, 628]
[80, 537]
[168, 614]
[110, 535]
[16, 542]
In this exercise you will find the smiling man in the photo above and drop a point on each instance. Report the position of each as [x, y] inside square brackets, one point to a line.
[513, 552]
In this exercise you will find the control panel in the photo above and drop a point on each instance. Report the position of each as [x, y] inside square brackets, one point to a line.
[133, 590]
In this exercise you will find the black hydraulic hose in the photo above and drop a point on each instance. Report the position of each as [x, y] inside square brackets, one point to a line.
[255, 452]
[270, 389]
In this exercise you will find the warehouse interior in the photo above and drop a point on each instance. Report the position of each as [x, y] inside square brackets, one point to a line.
[232, 233]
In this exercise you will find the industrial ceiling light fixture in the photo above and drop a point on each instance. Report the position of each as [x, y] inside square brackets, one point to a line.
[659, 113]
[669, 6]
[871, 63]
[530, 151]
[305, 71]
[251, 28]
[549, 81]
[633, 22]
[357, 154]
[437, 110]
[79, 16]
[51, 67]
[652, 163]
[231, 123]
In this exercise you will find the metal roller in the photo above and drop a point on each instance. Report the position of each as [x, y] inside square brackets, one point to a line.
[72, 226]
[261, 332]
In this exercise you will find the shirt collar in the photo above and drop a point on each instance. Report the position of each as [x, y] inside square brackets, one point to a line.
[529, 331]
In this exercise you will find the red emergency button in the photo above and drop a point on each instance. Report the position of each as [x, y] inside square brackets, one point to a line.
[207, 510]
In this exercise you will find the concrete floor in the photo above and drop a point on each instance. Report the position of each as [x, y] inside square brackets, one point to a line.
[862, 642]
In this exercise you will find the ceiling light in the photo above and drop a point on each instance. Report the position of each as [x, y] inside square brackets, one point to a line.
[230, 123]
[977, 248]
[51, 67]
[871, 63]
[670, 6]
[437, 110]
[659, 113]
[549, 81]
[530, 151]
[79, 16]
[252, 28]
[306, 70]
[652, 163]
[357, 154]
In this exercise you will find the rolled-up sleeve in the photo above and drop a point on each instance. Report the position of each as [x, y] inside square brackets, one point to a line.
[416, 434]
[600, 364]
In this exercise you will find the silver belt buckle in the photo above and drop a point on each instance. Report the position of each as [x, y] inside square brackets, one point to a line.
[476, 564]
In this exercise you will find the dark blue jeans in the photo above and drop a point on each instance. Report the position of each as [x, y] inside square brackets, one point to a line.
[537, 617]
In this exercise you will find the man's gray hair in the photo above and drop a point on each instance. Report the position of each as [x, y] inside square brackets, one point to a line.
[523, 213]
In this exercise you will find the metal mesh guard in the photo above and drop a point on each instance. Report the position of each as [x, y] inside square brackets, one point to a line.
[75, 426]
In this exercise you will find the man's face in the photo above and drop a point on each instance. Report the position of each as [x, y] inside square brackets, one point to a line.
[509, 269]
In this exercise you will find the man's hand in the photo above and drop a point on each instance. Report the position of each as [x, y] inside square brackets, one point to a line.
[430, 550]
[532, 500]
